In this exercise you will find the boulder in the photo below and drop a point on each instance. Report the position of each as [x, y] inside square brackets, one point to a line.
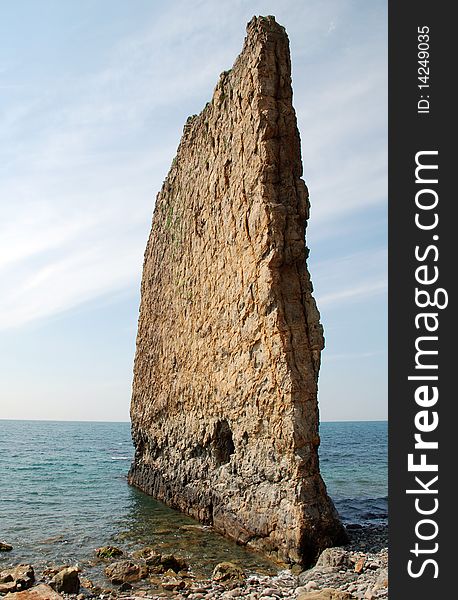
[15, 579]
[4, 547]
[334, 557]
[227, 571]
[96, 590]
[39, 592]
[124, 571]
[66, 581]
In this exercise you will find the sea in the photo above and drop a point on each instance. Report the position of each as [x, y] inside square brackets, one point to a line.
[64, 492]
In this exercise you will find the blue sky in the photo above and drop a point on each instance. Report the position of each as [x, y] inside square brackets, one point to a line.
[93, 99]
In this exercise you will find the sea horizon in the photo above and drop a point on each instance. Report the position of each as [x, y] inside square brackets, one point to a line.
[108, 421]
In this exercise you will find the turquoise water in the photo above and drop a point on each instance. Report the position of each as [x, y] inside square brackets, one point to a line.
[354, 465]
[63, 493]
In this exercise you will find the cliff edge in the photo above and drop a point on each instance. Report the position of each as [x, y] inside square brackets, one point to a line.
[224, 406]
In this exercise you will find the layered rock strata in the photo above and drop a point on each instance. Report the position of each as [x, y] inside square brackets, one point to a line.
[224, 406]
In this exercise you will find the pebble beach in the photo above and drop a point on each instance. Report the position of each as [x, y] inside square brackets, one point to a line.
[358, 570]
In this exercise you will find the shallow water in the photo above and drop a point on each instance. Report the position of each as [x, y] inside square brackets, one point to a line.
[64, 493]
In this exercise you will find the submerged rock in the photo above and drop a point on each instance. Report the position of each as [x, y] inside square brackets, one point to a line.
[126, 571]
[109, 552]
[4, 547]
[145, 552]
[160, 563]
[173, 562]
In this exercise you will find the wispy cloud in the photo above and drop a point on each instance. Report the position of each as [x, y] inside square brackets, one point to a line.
[79, 175]
[350, 279]
[354, 293]
[81, 158]
[350, 356]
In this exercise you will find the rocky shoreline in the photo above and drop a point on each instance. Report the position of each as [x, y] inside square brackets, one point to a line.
[358, 570]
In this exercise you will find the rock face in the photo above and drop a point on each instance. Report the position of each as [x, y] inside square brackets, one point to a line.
[224, 407]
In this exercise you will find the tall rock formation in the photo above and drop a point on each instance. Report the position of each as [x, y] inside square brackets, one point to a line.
[224, 406]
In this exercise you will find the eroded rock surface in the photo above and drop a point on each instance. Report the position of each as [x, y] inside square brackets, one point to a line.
[224, 406]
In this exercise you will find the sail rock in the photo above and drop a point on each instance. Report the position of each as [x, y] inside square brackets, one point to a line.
[224, 406]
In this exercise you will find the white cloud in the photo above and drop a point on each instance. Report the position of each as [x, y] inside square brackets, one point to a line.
[82, 159]
[63, 284]
[355, 293]
[350, 279]
[343, 356]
